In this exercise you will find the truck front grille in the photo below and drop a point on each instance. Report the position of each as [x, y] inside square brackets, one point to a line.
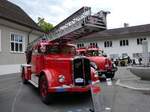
[81, 71]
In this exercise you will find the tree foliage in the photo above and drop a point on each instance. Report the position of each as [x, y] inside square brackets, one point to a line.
[45, 26]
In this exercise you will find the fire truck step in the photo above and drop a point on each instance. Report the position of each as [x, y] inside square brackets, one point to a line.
[34, 83]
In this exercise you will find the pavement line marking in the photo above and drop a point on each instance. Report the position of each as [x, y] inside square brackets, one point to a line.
[3, 89]
[9, 73]
[131, 87]
[15, 99]
[3, 79]
[128, 79]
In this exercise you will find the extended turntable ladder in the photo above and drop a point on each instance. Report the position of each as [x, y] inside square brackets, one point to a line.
[79, 24]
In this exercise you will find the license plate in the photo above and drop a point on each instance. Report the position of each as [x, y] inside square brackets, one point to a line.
[79, 80]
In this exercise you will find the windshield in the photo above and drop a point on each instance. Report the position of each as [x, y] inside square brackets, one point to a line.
[57, 49]
[94, 52]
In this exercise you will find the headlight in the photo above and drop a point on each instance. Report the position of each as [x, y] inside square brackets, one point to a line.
[61, 78]
[96, 74]
[93, 64]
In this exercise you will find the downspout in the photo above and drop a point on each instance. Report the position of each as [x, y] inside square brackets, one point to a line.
[28, 40]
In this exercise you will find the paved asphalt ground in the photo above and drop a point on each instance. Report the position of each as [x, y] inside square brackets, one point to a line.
[16, 97]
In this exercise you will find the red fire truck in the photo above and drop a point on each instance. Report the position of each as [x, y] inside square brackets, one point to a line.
[52, 64]
[99, 61]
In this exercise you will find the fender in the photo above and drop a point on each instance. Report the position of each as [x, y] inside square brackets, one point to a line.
[49, 76]
[94, 74]
[26, 70]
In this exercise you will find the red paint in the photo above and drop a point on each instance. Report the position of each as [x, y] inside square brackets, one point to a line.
[52, 64]
[104, 64]
[96, 89]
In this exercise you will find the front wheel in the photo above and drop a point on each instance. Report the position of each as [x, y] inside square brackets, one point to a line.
[43, 87]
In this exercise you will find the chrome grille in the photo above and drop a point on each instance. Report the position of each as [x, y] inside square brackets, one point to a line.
[81, 71]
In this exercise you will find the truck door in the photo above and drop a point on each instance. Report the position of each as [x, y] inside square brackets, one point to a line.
[37, 61]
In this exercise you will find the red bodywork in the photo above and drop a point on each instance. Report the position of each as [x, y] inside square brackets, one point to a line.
[53, 64]
[104, 64]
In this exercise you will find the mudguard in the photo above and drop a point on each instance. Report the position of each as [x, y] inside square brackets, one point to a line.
[94, 74]
[49, 76]
[26, 70]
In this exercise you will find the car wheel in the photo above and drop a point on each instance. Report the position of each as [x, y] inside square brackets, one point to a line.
[43, 87]
[110, 75]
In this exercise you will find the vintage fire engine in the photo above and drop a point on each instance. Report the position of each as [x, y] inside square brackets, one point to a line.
[99, 61]
[52, 64]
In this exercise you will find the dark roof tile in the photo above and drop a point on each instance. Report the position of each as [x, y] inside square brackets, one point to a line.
[14, 13]
[121, 31]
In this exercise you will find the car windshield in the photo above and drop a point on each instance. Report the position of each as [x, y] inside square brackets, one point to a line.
[63, 49]
[94, 52]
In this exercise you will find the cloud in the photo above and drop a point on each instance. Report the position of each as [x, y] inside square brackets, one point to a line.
[134, 12]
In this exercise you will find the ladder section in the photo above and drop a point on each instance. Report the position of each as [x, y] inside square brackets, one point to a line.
[79, 24]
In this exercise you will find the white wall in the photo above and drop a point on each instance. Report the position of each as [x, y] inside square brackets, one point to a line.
[116, 48]
[7, 57]
[9, 69]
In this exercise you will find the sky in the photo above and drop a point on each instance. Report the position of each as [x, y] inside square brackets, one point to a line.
[133, 12]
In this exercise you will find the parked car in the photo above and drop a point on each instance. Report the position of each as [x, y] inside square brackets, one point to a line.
[100, 62]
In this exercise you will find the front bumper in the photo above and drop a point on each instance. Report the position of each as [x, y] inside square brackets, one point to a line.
[110, 71]
[70, 89]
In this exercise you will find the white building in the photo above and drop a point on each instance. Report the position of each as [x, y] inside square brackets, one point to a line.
[17, 29]
[119, 42]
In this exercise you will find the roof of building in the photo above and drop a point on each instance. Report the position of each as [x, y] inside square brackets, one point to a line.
[122, 31]
[14, 13]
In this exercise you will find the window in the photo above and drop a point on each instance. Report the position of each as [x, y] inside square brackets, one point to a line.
[94, 44]
[0, 41]
[124, 42]
[16, 43]
[108, 44]
[139, 40]
[80, 45]
[56, 49]
[137, 55]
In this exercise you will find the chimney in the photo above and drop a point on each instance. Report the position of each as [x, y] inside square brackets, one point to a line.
[126, 25]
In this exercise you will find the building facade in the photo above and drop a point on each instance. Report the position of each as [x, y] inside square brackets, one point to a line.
[17, 29]
[120, 42]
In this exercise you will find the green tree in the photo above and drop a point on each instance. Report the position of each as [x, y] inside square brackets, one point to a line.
[45, 26]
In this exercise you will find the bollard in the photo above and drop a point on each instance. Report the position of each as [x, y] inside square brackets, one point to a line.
[101, 94]
[95, 92]
[108, 95]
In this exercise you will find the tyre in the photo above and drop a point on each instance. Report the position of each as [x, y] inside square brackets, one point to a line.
[43, 88]
[122, 63]
[24, 81]
[110, 75]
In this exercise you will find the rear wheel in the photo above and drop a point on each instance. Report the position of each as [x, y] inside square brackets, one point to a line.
[45, 96]
[24, 81]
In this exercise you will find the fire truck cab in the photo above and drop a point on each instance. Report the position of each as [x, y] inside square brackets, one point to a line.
[99, 61]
